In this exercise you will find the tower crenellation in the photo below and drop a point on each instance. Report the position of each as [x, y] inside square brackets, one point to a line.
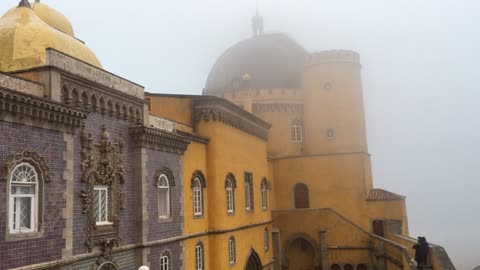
[332, 56]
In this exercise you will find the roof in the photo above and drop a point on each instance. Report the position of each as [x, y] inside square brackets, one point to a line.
[266, 61]
[377, 194]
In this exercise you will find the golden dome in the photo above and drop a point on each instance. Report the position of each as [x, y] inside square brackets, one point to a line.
[53, 18]
[24, 38]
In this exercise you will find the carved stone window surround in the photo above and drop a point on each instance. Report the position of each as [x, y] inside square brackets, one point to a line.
[39, 163]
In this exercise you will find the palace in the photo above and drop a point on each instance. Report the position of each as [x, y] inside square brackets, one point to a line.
[268, 169]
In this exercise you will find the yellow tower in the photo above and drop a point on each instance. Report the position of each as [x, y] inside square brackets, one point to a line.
[334, 120]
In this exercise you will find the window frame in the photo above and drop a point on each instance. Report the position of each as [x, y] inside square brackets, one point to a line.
[166, 200]
[199, 256]
[296, 132]
[100, 188]
[34, 201]
[168, 257]
[230, 196]
[264, 191]
[249, 195]
[232, 253]
[197, 191]
[266, 239]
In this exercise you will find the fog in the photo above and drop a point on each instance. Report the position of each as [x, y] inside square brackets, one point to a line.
[420, 77]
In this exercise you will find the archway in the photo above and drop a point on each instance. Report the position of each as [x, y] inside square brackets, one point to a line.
[253, 262]
[107, 266]
[300, 252]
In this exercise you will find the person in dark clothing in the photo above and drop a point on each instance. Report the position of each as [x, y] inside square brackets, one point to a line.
[421, 252]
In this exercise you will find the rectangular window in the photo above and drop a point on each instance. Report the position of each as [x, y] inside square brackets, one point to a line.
[229, 200]
[100, 202]
[197, 203]
[296, 133]
[22, 206]
[164, 263]
[248, 191]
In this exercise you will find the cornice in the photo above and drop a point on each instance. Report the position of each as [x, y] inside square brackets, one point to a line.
[192, 137]
[158, 139]
[39, 109]
[217, 109]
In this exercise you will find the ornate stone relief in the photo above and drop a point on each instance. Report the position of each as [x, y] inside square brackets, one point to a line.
[27, 106]
[166, 171]
[106, 261]
[119, 105]
[102, 164]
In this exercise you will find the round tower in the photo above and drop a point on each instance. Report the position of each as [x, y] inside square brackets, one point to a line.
[334, 119]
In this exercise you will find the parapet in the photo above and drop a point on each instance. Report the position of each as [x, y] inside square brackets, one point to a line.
[333, 56]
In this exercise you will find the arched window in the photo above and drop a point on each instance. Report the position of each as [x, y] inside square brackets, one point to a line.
[230, 193]
[163, 196]
[197, 197]
[165, 260]
[264, 189]
[266, 241]
[23, 203]
[232, 257]
[249, 203]
[362, 266]
[335, 267]
[301, 196]
[199, 259]
[296, 131]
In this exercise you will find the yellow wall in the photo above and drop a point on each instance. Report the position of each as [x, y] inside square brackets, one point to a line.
[176, 108]
[340, 107]
[194, 159]
[235, 151]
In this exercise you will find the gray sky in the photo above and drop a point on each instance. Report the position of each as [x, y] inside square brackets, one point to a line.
[420, 76]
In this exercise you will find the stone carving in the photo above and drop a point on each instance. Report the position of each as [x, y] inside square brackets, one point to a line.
[106, 261]
[166, 171]
[115, 104]
[22, 105]
[158, 139]
[102, 164]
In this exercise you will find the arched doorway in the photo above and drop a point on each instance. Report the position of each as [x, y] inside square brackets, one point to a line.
[301, 252]
[253, 262]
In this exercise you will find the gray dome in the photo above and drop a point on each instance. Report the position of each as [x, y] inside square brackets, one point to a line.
[270, 60]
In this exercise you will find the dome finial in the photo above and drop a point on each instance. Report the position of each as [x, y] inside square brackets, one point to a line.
[24, 3]
[257, 23]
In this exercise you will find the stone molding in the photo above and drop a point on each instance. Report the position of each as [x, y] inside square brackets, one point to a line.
[277, 107]
[39, 109]
[199, 174]
[216, 109]
[158, 139]
[230, 176]
[103, 100]
[102, 164]
[166, 171]
[43, 171]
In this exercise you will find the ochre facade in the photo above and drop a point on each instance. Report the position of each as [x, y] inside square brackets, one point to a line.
[268, 169]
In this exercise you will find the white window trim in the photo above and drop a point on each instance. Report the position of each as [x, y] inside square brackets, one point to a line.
[197, 197]
[248, 195]
[167, 199]
[232, 256]
[34, 202]
[264, 197]
[230, 197]
[165, 257]
[297, 131]
[103, 188]
[199, 257]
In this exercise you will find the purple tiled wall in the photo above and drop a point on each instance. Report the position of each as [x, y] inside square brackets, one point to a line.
[175, 251]
[49, 144]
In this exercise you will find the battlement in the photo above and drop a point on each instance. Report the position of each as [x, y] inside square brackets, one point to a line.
[333, 56]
